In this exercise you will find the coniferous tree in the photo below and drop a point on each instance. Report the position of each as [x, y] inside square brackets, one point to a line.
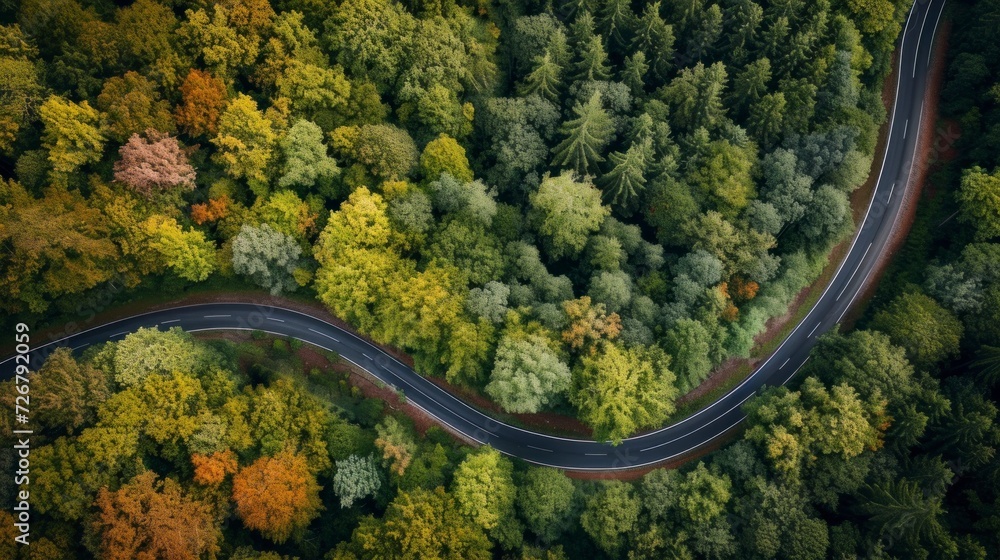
[626, 179]
[545, 79]
[585, 136]
[634, 73]
[656, 38]
[616, 22]
[593, 61]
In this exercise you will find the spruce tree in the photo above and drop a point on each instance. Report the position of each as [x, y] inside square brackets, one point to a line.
[585, 136]
[593, 61]
[628, 176]
[545, 79]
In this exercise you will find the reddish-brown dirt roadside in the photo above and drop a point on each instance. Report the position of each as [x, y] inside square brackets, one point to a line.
[934, 147]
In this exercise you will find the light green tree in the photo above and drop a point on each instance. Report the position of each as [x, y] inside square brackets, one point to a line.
[979, 197]
[188, 253]
[568, 212]
[307, 164]
[71, 136]
[246, 142]
[484, 487]
[619, 391]
[527, 374]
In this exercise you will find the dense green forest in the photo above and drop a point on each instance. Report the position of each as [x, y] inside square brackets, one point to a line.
[579, 206]
[547, 202]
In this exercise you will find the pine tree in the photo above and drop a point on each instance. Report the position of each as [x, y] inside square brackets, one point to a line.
[627, 178]
[685, 13]
[743, 21]
[900, 508]
[573, 7]
[766, 118]
[654, 37]
[545, 79]
[586, 136]
[750, 84]
[633, 75]
[617, 22]
[582, 29]
[707, 33]
[695, 96]
[593, 62]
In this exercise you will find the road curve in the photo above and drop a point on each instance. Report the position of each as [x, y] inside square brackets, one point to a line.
[577, 454]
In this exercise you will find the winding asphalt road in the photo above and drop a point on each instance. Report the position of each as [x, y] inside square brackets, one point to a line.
[577, 454]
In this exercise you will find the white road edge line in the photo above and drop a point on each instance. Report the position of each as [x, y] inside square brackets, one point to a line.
[709, 423]
[324, 334]
[797, 369]
[856, 269]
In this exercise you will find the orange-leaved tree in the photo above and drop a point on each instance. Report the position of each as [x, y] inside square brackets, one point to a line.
[146, 519]
[277, 496]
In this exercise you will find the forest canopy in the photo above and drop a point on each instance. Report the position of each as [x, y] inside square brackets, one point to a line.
[571, 206]
[493, 188]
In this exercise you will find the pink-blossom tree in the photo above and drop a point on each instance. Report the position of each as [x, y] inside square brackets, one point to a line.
[156, 162]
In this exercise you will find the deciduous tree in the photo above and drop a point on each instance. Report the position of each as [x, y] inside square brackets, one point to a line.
[203, 97]
[527, 374]
[267, 256]
[396, 443]
[568, 212]
[928, 332]
[245, 141]
[277, 496]
[545, 499]
[619, 391]
[444, 155]
[67, 393]
[147, 518]
[418, 524]
[71, 136]
[611, 514]
[979, 196]
[188, 253]
[307, 165]
[356, 478]
[152, 164]
[130, 104]
[793, 428]
[484, 489]
[57, 244]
